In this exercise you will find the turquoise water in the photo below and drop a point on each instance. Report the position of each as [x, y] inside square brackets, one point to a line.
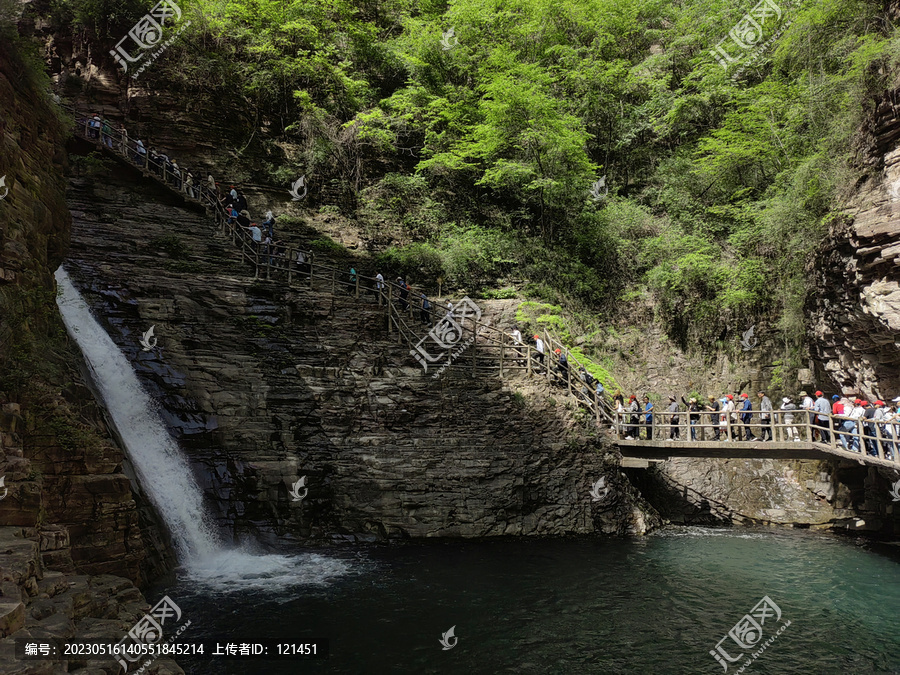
[653, 605]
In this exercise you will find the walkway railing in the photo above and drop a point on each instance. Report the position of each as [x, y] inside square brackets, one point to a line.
[495, 351]
[840, 434]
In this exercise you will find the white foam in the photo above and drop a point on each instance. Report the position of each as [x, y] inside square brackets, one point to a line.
[165, 475]
[237, 570]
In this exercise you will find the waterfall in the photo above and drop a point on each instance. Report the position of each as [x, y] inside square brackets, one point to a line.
[161, 468]
[165, 475]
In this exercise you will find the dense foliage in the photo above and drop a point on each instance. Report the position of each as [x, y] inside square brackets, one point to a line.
[476, 150]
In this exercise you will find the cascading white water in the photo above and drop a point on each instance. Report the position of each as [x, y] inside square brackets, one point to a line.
[160, 466]
[164, 473]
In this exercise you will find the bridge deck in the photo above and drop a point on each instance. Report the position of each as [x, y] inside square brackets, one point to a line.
[643, 449]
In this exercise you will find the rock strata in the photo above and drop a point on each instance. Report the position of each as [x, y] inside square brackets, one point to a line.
[265, 383]
[855, 310]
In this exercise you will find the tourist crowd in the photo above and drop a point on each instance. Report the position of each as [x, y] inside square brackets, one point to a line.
[854, 421]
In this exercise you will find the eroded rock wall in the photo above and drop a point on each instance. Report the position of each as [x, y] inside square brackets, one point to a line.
[265, 383]
[855, 309]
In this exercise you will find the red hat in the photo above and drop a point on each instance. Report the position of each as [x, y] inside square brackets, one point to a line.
[744, 396]
[857, 401]
[536, 337]
[729, 397]
[632, 397]
[879, 403]
[818, 393]
[556, 352]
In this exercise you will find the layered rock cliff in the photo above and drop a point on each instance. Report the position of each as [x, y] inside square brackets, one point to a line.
[855, 309]
[68, 518]
[265, 383]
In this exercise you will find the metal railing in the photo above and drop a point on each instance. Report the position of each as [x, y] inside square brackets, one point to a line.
[840, 434]
[495, 352]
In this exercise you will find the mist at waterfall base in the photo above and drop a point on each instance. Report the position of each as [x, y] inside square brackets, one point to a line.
[651, 605]
[164, 473]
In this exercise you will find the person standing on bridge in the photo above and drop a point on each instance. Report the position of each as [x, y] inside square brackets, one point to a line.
[727, 411]
[788, 406]
[713, 407]
[806, 405]
[765, 415]
[634, 418]
[746, 418]
[648, 417]
[838, 407]
[823, 410]
[674, 433]
[889, 430]
[693, 416]
[887, 424]
[869, 426]
[879, 420]
[856, 414]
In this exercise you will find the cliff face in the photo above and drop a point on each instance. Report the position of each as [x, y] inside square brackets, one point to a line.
[61, 470]
[68, 520]
[855, 310]
[264, 384]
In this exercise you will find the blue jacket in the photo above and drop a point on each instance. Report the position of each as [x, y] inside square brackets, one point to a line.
[746, 416]
[648, 408]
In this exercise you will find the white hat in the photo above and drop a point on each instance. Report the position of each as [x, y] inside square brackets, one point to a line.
[786, 400]
[897, 400]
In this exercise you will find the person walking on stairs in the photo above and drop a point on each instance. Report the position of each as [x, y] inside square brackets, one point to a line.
[425, 311]
[539, 348]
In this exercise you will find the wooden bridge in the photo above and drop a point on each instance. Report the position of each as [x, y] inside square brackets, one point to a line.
[441, 340]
